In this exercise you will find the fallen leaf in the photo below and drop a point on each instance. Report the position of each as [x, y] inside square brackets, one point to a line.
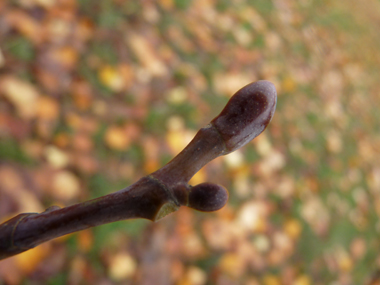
[122, 266]
[85, 240]
[177, 95]
[293, 228]
[22, 94]
[65, 186]
[82, 142]
[263, 144]
[302, 280]
[56, 157]
[334, 142]
[232, 264]
[2, 59]
[30, 259]
[14, 185]
[228, 83]
[269, 279]
[194, 276]
[47, 108]
[252, 216]
[261, 243]
[112, 78]
[192, 245]
[26, 25]
[146, 54]
[66, 57]
[58, 29]
[117, 138]
[234, 160]
[42, 3]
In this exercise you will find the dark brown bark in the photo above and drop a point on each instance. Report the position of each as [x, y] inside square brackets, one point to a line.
[154, 196]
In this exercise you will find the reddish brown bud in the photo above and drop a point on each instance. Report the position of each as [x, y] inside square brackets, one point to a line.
[207, 197]
[246, 114]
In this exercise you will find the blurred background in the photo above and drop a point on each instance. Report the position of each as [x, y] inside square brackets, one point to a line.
[96, 94]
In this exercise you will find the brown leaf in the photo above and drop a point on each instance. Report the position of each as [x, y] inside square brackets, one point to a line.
[14, 185]
[23, 95]
[26, 25]
[146, 54]
[47, 108]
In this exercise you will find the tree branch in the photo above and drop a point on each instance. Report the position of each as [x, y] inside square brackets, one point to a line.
[154, 196]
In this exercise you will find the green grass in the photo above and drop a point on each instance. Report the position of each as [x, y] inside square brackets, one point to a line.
[10, 150]
[21, 48]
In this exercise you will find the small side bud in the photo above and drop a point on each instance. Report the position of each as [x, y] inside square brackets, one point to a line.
[207, 197]
[246, 114]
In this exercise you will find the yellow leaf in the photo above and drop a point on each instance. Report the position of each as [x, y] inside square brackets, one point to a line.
[234, 160]
[151, 166]
[263, 145]
[252, 216]
[47, 108]
[345, 261]
[66, 185]
[46, 3]
[146, 54]
[116, 138]
[177, 95]
[288, 84]
[30, 259]
[334, 142]
[122, 267]
[175, 141]
[293, 228]
[228, 83]
[232, 264]
[167, 4]
[112, 78]
[261, 243]
[271, 280]
[302, 280]
[56, 157]
[195, 276]
[198, 178]
[58, 28]
[21, 94]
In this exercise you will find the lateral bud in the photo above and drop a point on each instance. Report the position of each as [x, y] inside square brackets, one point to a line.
[207, 197]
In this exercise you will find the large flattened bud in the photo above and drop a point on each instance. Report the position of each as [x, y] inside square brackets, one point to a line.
[246, 114]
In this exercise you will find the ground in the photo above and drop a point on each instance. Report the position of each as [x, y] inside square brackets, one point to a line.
[96, 94]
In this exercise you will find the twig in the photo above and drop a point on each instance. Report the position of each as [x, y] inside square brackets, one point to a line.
[154, 196]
